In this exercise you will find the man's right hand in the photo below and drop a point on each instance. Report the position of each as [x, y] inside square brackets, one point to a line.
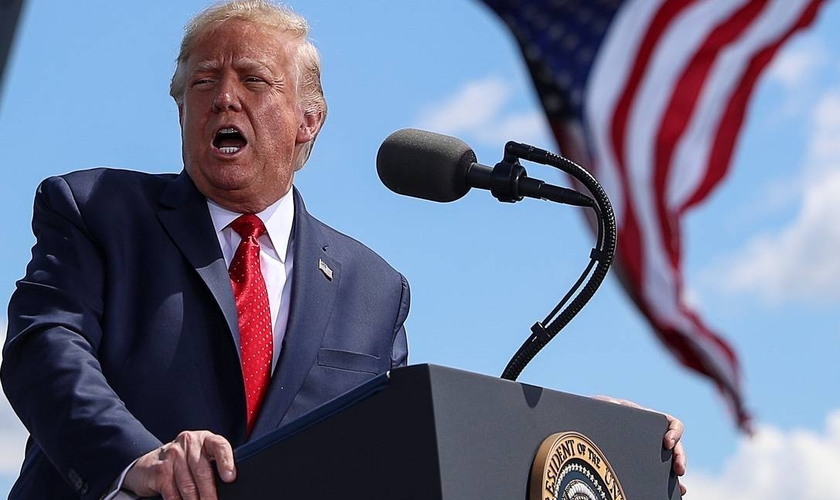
[182, 469]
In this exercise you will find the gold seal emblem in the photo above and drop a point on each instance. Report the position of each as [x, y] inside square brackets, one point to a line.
[569, 466]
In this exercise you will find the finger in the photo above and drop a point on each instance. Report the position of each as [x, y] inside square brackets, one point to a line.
[608, 399]
[199, 464]
[674, 432]
[218, 448]
[622, 402]
[162, 473]
[680, 460]
[683, 489]
[169, 491]
[183, 474]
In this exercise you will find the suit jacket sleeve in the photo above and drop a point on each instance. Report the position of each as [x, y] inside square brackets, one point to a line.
[399, 349]
[50, 370]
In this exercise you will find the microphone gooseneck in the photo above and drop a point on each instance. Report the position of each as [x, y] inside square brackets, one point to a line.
[601, 258]
[440, 168]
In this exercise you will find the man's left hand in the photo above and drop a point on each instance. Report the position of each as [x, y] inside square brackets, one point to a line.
[672, 439]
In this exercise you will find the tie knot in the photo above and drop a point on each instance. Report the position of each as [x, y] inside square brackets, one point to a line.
[248, 225]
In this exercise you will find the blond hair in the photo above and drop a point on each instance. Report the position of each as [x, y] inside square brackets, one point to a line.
[307, 61]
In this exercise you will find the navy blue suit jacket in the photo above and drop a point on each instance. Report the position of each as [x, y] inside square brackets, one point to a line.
[124, 330]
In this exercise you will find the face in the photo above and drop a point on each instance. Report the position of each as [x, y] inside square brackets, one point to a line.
[241, 124]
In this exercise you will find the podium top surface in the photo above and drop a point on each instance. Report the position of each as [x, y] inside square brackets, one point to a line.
[427, 431]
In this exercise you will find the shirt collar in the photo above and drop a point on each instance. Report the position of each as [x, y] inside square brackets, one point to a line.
[277, 218]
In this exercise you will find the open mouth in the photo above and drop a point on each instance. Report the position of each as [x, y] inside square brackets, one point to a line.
[229, 140]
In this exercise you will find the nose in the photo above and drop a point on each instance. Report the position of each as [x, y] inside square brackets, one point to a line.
[227, 97]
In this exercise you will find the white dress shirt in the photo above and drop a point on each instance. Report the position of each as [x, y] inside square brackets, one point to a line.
[276, 262]
[276, 257]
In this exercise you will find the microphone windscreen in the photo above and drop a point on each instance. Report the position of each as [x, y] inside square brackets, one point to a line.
[425, 165]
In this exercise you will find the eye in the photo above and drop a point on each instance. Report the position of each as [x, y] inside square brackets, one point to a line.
[254, 79]
[202, 82]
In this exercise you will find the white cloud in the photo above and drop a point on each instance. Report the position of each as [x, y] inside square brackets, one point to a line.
[798, 62]
[777, 465]
[473, 106]
[825, 144]
[796, 71]
[478, 111]
[800, 261]
[530, 127]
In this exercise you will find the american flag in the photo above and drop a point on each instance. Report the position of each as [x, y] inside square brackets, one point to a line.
[650, 95]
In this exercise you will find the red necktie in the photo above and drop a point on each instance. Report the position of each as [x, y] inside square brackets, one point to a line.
[255, 337]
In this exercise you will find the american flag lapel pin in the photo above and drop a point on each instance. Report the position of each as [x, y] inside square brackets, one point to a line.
[324, 268]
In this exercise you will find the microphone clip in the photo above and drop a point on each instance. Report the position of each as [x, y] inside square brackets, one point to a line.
[509, 182]
[504, 180]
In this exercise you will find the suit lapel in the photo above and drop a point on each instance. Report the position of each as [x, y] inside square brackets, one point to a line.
[313, 294]
[185, 217]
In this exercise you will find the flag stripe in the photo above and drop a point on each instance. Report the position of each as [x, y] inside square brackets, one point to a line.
[663, 100]
[693, 149]
[684, 101]
[647, 104]
[727, 131]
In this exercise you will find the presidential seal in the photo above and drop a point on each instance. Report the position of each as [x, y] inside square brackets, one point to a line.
[569, 466]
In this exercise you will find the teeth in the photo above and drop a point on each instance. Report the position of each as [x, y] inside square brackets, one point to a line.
[229, 150]
[229, 130]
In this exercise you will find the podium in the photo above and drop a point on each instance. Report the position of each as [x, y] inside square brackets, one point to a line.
[426, 432]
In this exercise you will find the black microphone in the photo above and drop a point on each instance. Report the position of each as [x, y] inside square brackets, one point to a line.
[440, 168]
[437, 167]
[425, 165]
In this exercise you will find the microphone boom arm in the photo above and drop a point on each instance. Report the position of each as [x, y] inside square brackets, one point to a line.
[440, 168]
[601, 256]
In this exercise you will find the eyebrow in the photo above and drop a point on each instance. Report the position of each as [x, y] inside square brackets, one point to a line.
[241, 63]
[248, 63]
[206, 66]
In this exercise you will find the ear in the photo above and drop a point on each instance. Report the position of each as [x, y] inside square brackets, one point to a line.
[180, 114]
[309, 127]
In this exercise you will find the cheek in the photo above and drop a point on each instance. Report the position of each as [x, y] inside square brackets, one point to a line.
[189, 144]
[191, 132]
[281, 131]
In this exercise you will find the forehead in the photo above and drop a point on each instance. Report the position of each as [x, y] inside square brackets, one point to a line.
[236, 41]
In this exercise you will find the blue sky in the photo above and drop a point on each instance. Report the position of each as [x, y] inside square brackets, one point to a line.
[89, 87]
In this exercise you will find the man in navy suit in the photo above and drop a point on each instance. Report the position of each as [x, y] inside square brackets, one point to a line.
[125, 356]
[123, 352]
